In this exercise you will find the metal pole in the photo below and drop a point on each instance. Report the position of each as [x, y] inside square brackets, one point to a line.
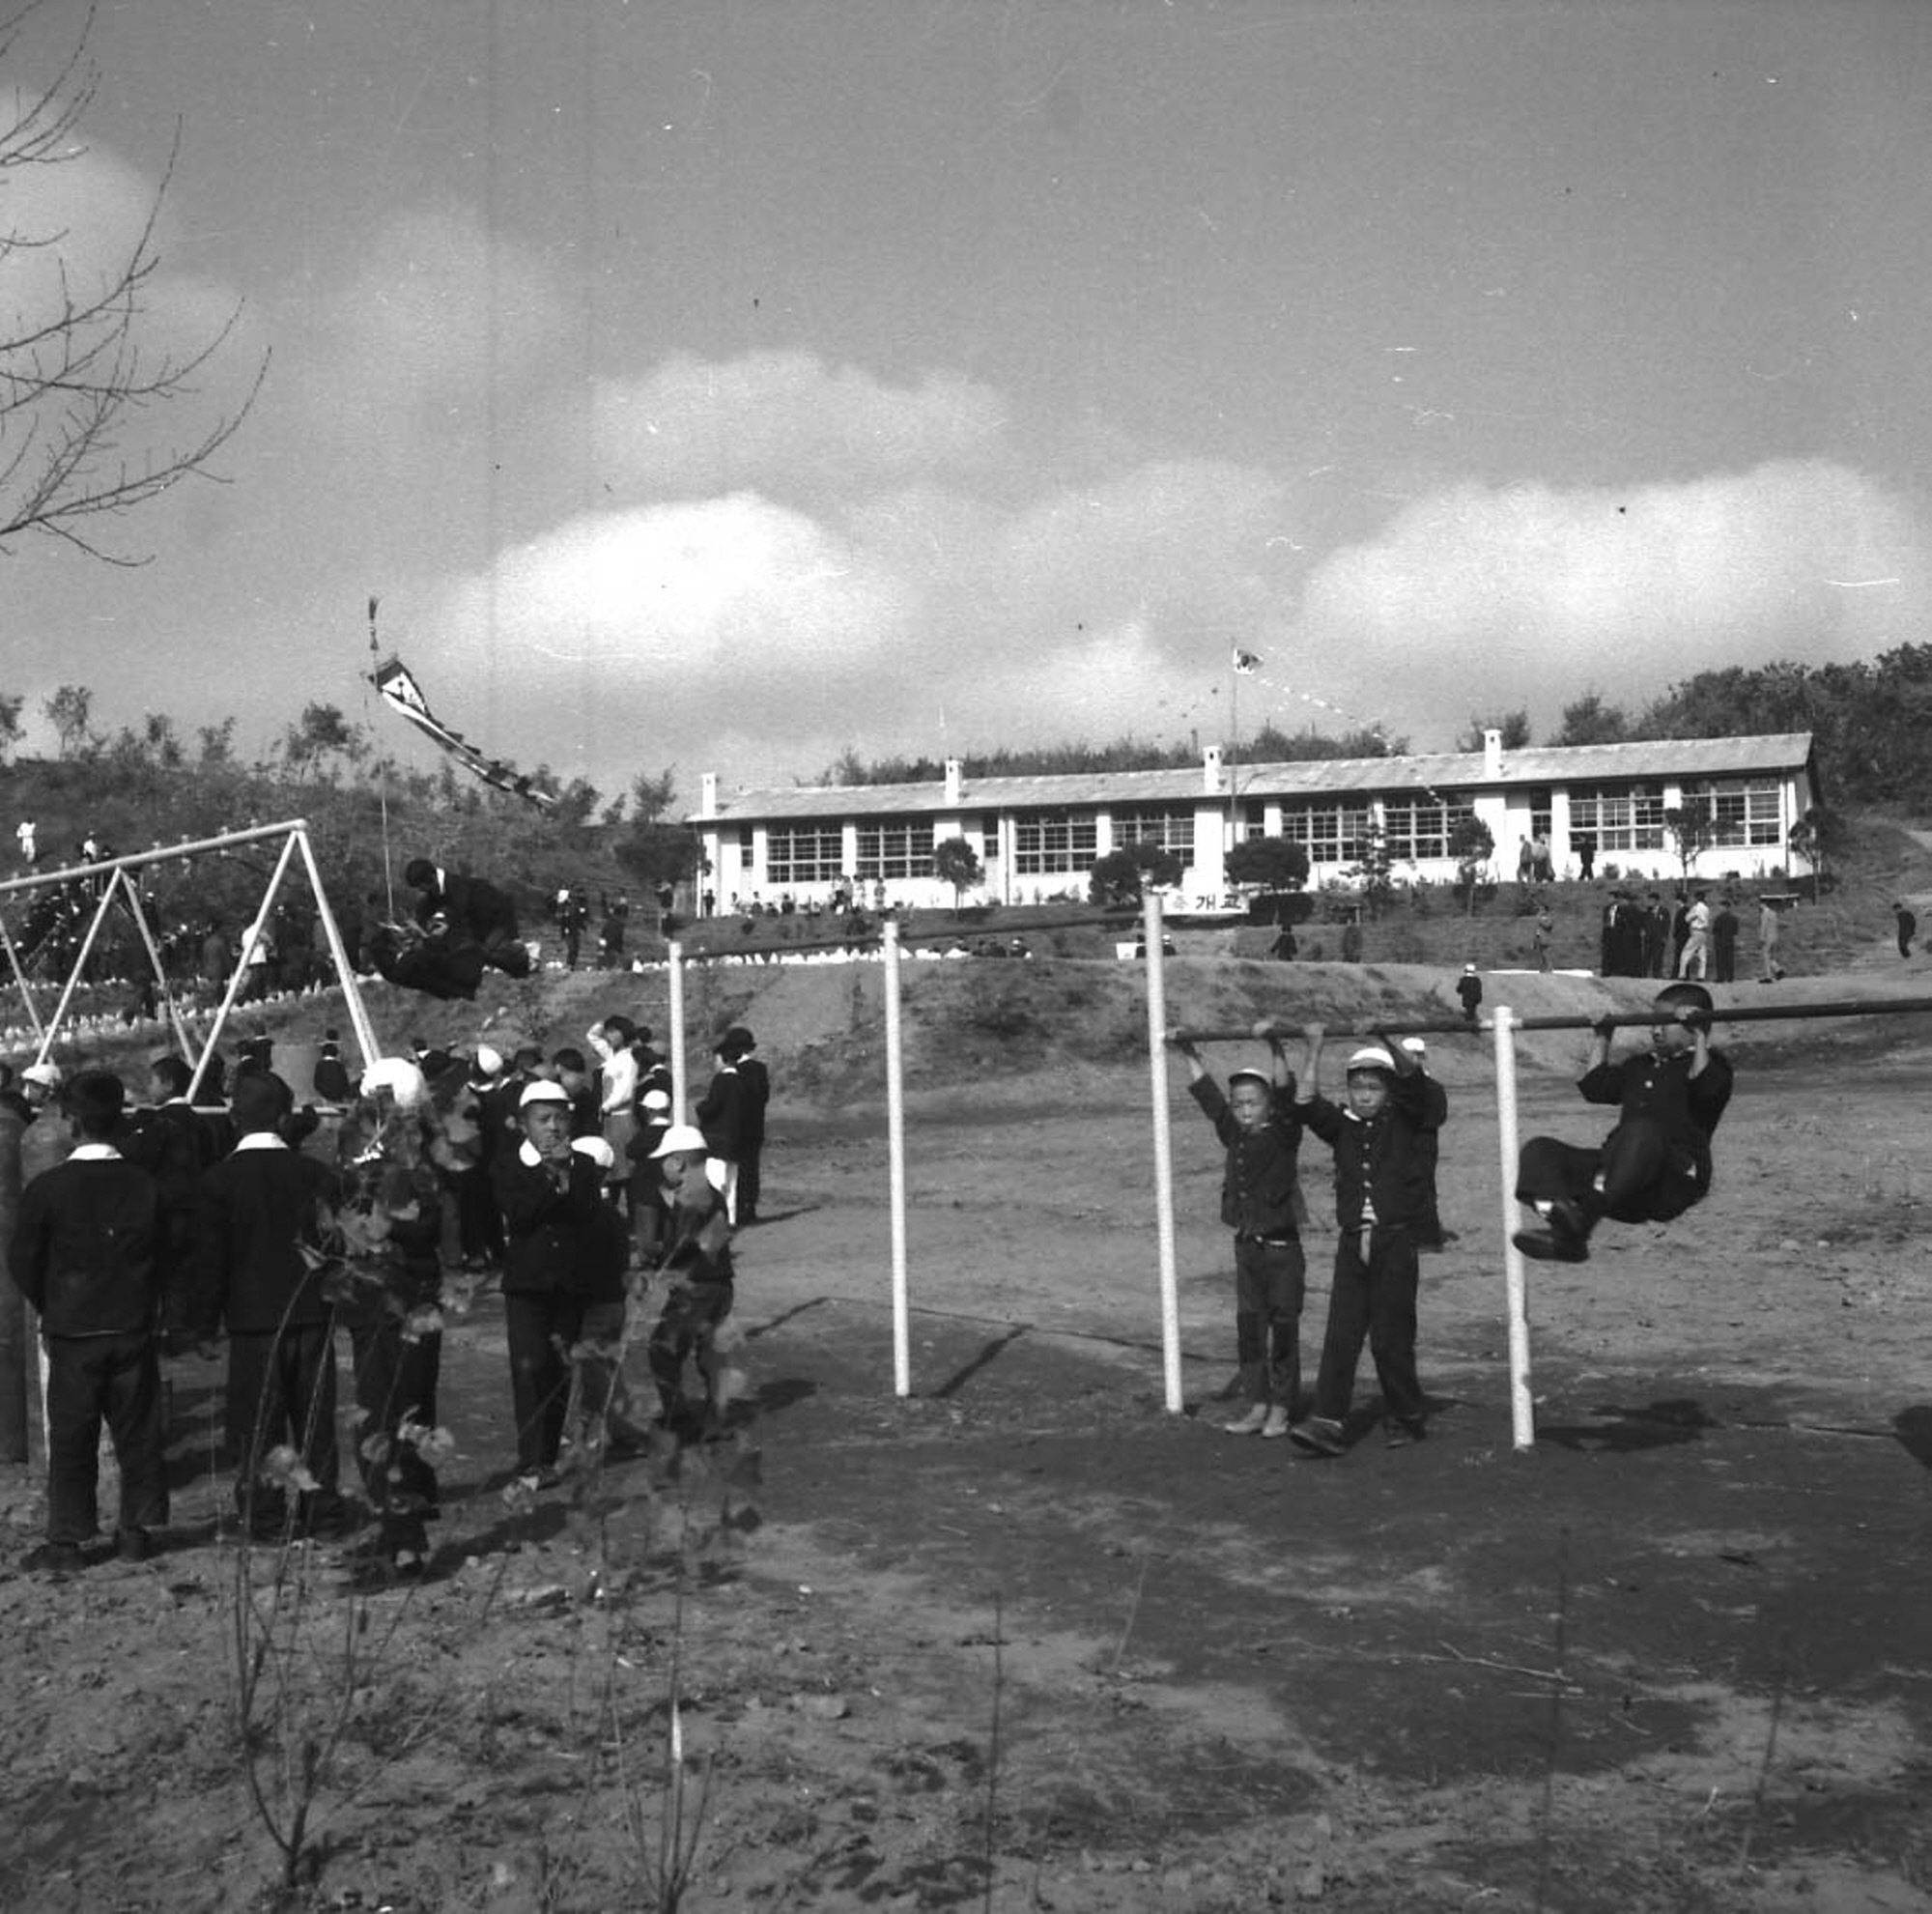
[14, 1338]
[338, 951]
[1523, 1406]
[889, 951]
[20, 979]
[52, 1030]
[140, 917]
[674, 971]
[1163, 1152]
[249, 943]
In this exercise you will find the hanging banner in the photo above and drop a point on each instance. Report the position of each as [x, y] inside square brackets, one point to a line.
[403, 696]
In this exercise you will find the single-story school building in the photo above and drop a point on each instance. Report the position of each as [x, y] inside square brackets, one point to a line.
[1036, 838]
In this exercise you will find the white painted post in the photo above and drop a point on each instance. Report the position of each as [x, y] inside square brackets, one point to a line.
[1522, 1407]
[1163, 1152]
[675, 972]
[888, 952]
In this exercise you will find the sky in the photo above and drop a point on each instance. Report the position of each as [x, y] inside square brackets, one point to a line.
[722, 386]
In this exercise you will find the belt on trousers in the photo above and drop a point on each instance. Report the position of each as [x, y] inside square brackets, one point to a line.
[1267, 1241]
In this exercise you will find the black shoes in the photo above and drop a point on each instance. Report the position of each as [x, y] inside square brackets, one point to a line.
[1319, 1435]
[54, 1559]
[1567, 1240]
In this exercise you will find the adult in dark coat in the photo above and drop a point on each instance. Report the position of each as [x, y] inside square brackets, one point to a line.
[462, 913]
[758, 1095]
[256, 1212]
[1725, 943]
[175, 1143]
[86, 1254]
[727, 1117]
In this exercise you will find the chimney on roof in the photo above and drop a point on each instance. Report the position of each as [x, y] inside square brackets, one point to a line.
[1492, 753]
[707, 794]
[1211, 770]
[953, 779]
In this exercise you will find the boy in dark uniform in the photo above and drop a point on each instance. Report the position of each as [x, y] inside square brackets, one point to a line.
[1381, 1202]
[86, 1254]
[1259, 1126]
[1656, 1163]
[696, 1260]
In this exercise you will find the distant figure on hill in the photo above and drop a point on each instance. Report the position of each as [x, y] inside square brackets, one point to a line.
[1539, 939]
[1586, 857]
[1769, 969]
[1725, 943]
[1907, 926]
[1470, 990]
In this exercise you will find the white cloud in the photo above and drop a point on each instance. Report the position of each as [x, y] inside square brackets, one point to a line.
[785, 420]
[1478, 598]
[735, 583]
[438, 312]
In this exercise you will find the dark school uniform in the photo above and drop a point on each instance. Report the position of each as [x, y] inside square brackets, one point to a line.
[1656, 1163]
[86, 1254]
[1262, 1202]
[256, 1211]
[553, 1219]
[1381, 1201]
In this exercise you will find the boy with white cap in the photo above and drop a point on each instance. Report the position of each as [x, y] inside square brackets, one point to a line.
[696, 1258]
[1382, 1200]
[1258, 1125]
[551, 1199]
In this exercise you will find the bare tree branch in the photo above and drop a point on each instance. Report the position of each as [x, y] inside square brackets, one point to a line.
[82, 390]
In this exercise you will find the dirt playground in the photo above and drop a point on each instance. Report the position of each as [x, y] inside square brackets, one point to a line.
[1025, 1640]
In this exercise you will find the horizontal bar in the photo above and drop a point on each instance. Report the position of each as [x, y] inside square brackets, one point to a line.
[1645, 1020]
[908, 939]
[186, 848]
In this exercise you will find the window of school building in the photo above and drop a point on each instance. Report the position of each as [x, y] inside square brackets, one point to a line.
[1419, 824]
[804, 853]
[1170, 826]
[1051, 841]
[1333, 833]
[895, 847]
[1742, 813]
[1627, 817]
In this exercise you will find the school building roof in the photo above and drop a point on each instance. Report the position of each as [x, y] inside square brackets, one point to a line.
[1646, 760]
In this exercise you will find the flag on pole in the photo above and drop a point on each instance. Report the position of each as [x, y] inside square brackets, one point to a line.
[1245, 662]
[400, 692]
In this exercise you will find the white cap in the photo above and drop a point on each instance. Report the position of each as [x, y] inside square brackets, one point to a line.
[680, 1139]
[597, 1150]
[542, 1090]
[1415, 1047]
[46, 1075]
[1372, 1056]
[489, 1062]
[655, 1100]
[400, 1077]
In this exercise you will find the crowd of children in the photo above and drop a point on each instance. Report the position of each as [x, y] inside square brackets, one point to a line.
[177, 1226]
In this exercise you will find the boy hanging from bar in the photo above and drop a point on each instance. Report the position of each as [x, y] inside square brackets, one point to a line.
[1379, 1134]
[1656, 1163]
[1259, 1126]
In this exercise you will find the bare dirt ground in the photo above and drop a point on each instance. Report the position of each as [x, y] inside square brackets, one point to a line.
[1025, 1640]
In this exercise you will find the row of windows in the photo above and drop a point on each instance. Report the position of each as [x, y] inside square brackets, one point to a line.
[1619, 819]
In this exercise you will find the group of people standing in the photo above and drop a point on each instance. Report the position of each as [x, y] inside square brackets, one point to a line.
[1693, 936]
[172, 1227]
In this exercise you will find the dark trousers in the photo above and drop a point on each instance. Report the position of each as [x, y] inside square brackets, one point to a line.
[1269, 1282]
[1646, 1176]
[395, 1385]
[479, 1222]
[1376, 1278]
[116, 1380]
[542, 1327]
[749, 1183]
[281, 1394]
[684, 1330]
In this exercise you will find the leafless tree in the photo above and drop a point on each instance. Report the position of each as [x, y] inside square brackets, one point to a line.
[81, 380]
